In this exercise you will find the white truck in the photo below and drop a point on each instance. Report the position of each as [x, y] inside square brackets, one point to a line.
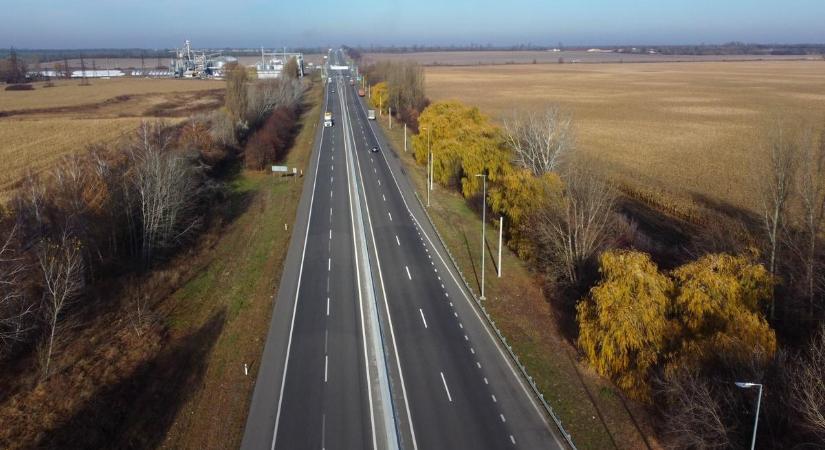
[328, 119]
[371, 114]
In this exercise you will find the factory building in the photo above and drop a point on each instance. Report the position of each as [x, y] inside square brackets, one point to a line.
[272, 65]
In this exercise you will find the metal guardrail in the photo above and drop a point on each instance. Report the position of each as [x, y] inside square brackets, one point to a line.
[537, 393]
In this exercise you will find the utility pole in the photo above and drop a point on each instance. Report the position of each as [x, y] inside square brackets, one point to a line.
[389, 117]
[500, 240]
[405, 138]
[483, 231]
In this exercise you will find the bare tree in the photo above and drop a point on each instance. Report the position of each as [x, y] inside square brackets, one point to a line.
[71, 179]
[808, 389]
[61, 266]
[540, 141]
[83, 81]
[803, 237]
[236, 96]
[267, 95]
[222, 128]
[291, 69]
[580, 224]
[13, 308]
[776, 184]
[30, 204]
[166, 189]
[694, 415]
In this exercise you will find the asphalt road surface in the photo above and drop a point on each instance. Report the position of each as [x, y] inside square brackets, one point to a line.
[319, 386]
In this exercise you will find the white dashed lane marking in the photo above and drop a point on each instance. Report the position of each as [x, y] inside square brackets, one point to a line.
[446, 389]
[422, 317]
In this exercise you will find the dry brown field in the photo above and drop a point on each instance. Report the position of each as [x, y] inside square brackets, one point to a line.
[40, 126]
[687, 133]
[469, 58]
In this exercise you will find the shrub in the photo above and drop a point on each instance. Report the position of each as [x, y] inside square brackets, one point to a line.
[270, 143]
[20, 87]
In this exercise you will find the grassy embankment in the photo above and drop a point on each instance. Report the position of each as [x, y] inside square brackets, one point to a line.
[589, 407]
[240, 281]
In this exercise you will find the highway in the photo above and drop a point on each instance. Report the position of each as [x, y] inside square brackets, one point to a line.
[403, 358]
[315, 390]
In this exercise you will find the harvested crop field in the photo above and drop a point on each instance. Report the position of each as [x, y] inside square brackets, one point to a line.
[38, 127]
[689, 134]
[69, 93]
[487, 57]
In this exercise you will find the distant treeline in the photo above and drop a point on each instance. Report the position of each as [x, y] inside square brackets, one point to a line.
[739, 48]
[732, 48]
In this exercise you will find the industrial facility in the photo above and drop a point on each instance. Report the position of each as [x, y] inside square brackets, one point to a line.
[272, 65]
[188, 62]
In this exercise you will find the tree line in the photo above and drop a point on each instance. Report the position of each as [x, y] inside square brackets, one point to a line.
[397, 87]
[110, 211]
[676, 339]
[264, 114]
[730, 48]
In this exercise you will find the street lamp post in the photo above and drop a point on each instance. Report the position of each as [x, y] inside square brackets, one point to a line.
[483, 229]
[432, 161]
[500, 239]
[429, 186]
[758, 404]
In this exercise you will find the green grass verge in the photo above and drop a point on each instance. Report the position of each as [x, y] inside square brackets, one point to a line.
[239, 279]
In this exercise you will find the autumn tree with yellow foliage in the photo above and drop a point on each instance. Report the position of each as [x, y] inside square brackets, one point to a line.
[637, 319]
[517, 196]
[718, 310]
[463, 143]
[623, 324]
[379, 95]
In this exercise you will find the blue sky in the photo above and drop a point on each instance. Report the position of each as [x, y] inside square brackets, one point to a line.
[250, 23]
